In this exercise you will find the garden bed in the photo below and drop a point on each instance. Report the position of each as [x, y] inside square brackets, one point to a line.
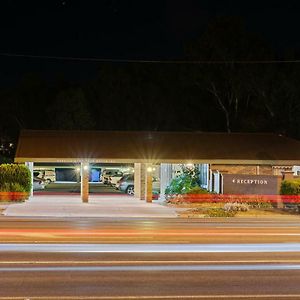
[224, 209]
[13, 196]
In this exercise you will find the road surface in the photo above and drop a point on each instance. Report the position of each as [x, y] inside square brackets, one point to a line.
[149, 259]
[152, 275]
[93, 230]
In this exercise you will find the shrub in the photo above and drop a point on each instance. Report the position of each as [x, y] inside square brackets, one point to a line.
[229, 207]
[219, 212]
[263, 205]
[290, 187]
[197, 190]
[12, 187]
[186, 182]
[15, 178]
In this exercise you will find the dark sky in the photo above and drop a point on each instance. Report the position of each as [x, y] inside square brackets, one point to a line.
[134, 29]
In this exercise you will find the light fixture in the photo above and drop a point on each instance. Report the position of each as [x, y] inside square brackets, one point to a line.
[149, 169]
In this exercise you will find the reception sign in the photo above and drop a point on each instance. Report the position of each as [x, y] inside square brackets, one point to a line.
[250, 184]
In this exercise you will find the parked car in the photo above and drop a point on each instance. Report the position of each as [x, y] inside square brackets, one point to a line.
[49, 176]
[38, 184]
[107, 173]
[126, 184]
[112, 180]
[46, 175]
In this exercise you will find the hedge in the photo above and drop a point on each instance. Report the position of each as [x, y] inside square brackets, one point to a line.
[290, 187]
[14, 179]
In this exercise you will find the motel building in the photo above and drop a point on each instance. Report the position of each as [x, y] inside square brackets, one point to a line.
[235, 163]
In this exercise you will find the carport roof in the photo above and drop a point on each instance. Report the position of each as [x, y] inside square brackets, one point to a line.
[156, 147]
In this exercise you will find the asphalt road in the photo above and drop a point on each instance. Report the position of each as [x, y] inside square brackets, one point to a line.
[52, 275]
[149, 259]
[76, 230]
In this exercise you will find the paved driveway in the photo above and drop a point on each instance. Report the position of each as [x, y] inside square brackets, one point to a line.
[121, 206]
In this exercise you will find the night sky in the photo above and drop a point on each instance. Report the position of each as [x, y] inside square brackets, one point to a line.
[119, 29]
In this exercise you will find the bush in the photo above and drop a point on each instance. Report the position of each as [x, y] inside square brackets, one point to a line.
[219, 212]
[12, 187]
[15, 178]
[290, 187]
[187, 182]
[197, 190]
[260, 205]
[229, 207]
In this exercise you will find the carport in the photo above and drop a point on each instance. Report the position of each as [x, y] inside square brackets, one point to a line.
[146, 149]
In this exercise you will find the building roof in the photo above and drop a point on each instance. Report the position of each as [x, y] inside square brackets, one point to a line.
[156, 147]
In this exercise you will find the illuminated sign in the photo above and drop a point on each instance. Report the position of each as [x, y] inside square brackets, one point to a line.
[250, 184]
[249, 181]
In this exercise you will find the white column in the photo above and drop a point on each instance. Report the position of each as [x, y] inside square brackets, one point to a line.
[165, 179]
[216, 187]
[29, 165]
[85, 174]
[211, 181]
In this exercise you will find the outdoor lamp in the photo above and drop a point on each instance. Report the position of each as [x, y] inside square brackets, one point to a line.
[149, 169]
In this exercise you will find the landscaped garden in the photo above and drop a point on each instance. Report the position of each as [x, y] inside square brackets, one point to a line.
[185, 193]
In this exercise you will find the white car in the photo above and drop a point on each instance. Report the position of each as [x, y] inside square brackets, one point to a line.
[38, 184]
[113, 180]
[107, 173]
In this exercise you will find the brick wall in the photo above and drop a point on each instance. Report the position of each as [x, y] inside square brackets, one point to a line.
[243, 169]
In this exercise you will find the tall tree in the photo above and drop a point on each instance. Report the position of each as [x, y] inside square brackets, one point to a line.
[70, 111]
[224, 45]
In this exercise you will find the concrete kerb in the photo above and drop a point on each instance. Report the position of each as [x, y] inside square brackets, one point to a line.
[98, 206]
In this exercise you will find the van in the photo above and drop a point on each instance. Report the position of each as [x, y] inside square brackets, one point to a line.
[46, 175]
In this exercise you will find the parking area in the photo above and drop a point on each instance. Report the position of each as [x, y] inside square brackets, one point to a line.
[74, 188]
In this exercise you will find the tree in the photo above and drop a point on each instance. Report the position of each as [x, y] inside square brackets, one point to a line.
[70, 111]
[226, 42]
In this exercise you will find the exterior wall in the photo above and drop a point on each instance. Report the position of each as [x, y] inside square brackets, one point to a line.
[296, 170]
[243, 169]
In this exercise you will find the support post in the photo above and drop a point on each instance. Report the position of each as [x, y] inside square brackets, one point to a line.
[29, 165]
[139, 181]
[149, 178]
[85, 182]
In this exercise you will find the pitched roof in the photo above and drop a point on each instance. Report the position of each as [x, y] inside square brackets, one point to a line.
[155, 147]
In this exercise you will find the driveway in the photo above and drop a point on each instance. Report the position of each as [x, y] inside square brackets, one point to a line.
[120, 206]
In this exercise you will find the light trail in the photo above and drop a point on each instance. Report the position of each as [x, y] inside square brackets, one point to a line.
[101, 233]
[147, 262]
[157, 268]
[151, 248]
[166, 297]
